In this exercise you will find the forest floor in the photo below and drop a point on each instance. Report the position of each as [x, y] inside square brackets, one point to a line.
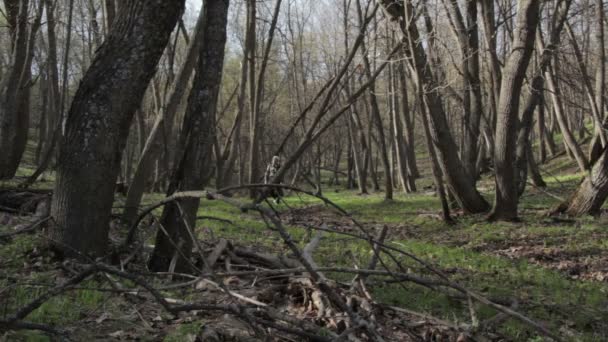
[552, 269]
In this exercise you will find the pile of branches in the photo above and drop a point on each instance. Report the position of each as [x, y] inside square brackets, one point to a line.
[285, 297]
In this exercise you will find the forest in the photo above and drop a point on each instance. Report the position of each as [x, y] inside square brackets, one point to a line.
[303, 170]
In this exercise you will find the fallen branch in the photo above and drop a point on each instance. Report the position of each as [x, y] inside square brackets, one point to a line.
[27, 229]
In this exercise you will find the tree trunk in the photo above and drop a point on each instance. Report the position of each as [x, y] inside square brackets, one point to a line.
[166, 117]
[459, 181]
[99, 120]
[234, 142]
[398, 138]
[591, 193]
[536, 94]
[600, 84]
[377, 120]
[468, 39]
[505, 206]
[15, 86]
[59, 98]
[193, 165]
[569, 139]
[408, 125]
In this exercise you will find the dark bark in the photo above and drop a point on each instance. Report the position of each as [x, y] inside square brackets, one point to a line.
[193, 164]
[110, 8]
[58, 98]
[98, 123]
[15, 86]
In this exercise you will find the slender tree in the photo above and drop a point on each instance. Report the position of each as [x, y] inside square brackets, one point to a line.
[15, 85]
[193, 164]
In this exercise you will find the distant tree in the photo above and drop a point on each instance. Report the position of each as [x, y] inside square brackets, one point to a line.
[459, 181]
[15, 85]
[98, 123]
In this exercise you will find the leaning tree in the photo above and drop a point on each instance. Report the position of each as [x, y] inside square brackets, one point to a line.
[98, 123]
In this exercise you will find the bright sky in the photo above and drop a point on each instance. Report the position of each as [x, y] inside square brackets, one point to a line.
[193, 6]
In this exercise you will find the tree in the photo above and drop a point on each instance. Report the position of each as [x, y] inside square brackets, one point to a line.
[468, 39]
[375, 113]
[536, 96]
[591, 194]
[458, 179]
[98, 123]
[505, 206]
[193, 164]
[15, 85]
[165, 119]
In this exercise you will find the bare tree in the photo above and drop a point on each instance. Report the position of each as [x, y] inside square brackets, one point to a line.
[98, 122]
[193, 165]
[505, 206]
[154, 143]
[459, 180]
[15, 85]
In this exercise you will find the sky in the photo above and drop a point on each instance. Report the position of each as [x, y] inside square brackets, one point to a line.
[193, 6]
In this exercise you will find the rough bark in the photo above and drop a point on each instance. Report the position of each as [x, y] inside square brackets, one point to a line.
[193, 165]
[98, 123]
[506, 198]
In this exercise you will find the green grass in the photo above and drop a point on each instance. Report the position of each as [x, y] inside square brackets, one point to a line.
[184, 331]
[465, 251]
[544, 294]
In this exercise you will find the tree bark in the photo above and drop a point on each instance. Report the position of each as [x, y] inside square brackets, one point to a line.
[591, 193]
[408, 125]
[468, 39]
[505, 206]
[537, 93]
[599, 139]
[98, 123]
[15, 86]
[458, 179]
[154, 143]
[569, 139]
[193, 165]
